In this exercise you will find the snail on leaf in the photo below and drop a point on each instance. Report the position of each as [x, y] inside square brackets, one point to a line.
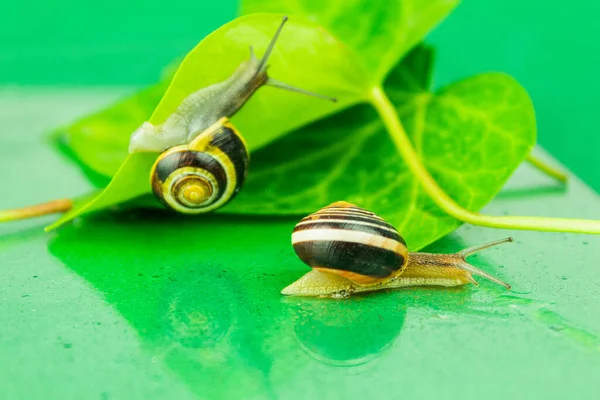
[204, 159]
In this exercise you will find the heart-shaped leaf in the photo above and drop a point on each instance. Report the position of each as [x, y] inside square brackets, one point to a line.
[471, 136]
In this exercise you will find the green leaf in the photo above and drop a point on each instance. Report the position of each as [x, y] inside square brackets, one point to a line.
[471, 136]
[125, 186]
[380, 32]
[304, 53]
[387, 31]
[100, 141]
[350, 155]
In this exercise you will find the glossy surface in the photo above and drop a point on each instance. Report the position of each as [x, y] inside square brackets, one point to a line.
[144, 306]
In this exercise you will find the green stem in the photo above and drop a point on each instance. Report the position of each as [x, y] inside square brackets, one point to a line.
[546, 168]
[390, 118]
[50, 207]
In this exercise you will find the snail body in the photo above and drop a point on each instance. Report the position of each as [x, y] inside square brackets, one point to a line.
[204, 159]
[198, 111]
[204, 107]
[352, 250]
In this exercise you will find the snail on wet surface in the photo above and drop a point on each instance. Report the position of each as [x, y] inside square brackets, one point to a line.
[352, 250]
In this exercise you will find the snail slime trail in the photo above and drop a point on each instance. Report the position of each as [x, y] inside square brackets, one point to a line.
[352, 250]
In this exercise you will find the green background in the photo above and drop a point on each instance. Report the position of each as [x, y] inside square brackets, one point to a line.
[552, 48]
[141, 306]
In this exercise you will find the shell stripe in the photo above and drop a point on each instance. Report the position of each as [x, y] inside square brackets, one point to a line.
[342, 235]
[227, 140]
[217, 158]
[190, 174]
[349, 220]
[348, 209]
[346, 215]
[357, 258]
[350, 242]
[340, 224]
[354, 219]
[180, 159]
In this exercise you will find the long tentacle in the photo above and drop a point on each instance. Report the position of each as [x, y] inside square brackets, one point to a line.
[474, 249]
[463, 254]
[275, 83]
[476, 271]
[263, 61]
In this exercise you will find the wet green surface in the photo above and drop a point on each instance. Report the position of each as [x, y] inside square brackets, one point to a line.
[138, 306]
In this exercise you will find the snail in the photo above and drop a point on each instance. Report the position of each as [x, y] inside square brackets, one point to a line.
[203, 175]
[204, 159]
[352, 250]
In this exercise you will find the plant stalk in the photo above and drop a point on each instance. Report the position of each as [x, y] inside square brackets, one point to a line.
[546, 168]
[406, 150]
[51, 207]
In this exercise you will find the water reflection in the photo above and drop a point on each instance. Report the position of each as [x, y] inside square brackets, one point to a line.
[364, 328]
[180, 318]
[198, 295]
[204, 299]
[346, 333]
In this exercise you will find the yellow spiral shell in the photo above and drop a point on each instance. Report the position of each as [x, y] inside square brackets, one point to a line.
[203, 175]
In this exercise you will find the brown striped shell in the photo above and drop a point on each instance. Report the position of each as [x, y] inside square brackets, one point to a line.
[349, 241]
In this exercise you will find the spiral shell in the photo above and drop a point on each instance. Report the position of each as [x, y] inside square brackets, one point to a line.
[203, 175]
[349, 241]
